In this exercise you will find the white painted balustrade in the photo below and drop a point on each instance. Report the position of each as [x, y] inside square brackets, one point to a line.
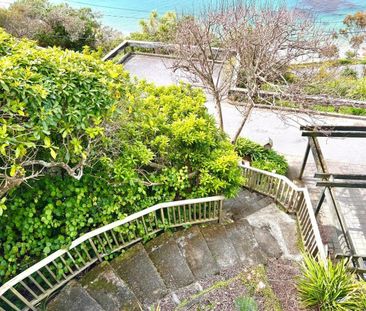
[29, 288]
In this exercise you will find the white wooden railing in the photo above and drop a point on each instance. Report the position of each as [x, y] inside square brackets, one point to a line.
[30, 287]
[294, 200]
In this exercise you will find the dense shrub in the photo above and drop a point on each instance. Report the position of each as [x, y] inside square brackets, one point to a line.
[161, 146]
[54, 107]
[265, 159]
[349, 73]
[344, 87]
[328, 286]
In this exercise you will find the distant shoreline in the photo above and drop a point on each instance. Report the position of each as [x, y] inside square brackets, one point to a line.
[124, 15]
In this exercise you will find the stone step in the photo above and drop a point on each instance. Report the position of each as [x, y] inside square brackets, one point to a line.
[272, 224]
[222, 250]
[107, 288]
[263, 202]
[138, 271]
[73, 298]
[244, 197]
[169, 261]
[267, 241]
[196, 252]
[246, 246]
[241, 210]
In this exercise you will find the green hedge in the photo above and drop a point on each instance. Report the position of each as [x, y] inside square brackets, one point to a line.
[265, 159]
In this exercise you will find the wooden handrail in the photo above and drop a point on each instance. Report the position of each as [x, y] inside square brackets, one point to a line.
[294, 199]
[22, 291]
[190, 212]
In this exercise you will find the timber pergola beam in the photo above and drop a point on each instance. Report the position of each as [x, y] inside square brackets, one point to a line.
[347, 180]
[334, 131]
[338, 184]
[341, 176]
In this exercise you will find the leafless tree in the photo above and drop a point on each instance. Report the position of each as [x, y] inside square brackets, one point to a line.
[258, 43]
[200, 51]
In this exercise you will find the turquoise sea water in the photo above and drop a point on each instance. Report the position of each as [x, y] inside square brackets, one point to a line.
[124, 15]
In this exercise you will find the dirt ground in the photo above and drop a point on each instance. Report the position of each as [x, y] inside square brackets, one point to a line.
[273, 287]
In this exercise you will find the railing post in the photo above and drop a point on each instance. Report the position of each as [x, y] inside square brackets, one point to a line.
[221, 213]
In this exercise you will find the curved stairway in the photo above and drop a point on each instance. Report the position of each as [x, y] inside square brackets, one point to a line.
[254, 230]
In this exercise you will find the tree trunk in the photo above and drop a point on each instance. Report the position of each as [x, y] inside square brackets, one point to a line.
[245, 119]
[219, 111]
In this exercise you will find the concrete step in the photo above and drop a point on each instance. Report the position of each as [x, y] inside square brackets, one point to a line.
[169, 261]
[222, 250]
[107, 288]
[196, 252]
[245, 204]
[244, 197]
[246, 246]
[73, 298]
[267, 242]
[271, 224]
[138, 271]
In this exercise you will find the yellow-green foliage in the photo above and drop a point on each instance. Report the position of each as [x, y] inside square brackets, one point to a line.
[153, 144]
[157, 28]
[53, 103]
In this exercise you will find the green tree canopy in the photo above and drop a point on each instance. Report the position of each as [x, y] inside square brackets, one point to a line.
[57, 25]
[157, 28]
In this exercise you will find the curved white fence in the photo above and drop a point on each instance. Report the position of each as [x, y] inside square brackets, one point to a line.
[30, 287]
[294, 200]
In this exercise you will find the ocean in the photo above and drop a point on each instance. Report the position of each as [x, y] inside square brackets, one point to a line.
[124, 15]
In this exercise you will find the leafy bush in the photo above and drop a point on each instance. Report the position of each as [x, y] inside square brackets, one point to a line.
[176, 152]
[344, 87]
[157, 28]
[54, 107]
[265, 159]
[246, 304]
[329, 286]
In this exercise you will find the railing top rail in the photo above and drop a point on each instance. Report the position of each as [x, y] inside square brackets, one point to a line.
[36, 267]
[146, 45]
[309, 206]
[282, 177]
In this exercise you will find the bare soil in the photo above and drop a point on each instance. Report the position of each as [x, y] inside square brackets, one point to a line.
[273, 287]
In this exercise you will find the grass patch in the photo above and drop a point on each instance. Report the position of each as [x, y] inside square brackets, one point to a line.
[258, 285]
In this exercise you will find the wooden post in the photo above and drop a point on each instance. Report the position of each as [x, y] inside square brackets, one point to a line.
[305, 160]
[320, 203]
[221, 214]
